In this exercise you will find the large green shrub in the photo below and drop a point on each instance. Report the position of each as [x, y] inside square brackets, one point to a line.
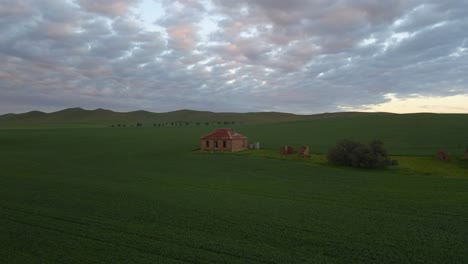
[355, 154]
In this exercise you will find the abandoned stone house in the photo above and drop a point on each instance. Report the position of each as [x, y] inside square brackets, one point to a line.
[224, 139]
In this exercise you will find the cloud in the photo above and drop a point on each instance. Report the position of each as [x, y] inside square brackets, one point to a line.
[110, 8]
[182, 36]
[300, 56]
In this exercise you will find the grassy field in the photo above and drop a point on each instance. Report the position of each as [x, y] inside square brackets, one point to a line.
[141, 195]
[410, 134]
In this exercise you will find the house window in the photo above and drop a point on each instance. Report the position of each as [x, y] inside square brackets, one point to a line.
[216, 144]
[224, 144]
[207, 144]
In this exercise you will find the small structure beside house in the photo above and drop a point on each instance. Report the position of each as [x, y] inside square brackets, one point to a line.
[255, 145]
[304, 152]
[224, 139]
[286, 150]
[443, 155]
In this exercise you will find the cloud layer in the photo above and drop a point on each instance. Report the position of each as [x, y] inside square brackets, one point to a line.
[302, 56]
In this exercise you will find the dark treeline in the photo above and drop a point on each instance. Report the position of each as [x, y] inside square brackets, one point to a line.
[177, 124]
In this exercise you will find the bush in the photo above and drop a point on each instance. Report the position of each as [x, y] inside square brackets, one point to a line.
[355, 154]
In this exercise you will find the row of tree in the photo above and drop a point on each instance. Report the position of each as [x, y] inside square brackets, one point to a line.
[172, 124]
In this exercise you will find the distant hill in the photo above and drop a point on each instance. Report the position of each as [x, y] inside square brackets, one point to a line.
[78, 117]
[103, 117]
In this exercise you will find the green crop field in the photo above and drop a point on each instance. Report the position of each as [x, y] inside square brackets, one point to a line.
[142, 195]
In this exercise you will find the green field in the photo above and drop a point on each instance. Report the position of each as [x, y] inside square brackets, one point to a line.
[142, 195]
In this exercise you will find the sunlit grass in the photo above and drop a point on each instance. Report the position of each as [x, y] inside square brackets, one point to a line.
[456, 167]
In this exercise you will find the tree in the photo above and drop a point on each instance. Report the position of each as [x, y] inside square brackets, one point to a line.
[358, 155]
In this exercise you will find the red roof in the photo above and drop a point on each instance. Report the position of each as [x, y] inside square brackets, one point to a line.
[224, 133]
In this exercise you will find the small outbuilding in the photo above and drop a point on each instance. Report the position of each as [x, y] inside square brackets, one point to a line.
[224, 139]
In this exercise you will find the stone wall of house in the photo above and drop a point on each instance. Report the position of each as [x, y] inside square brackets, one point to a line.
[215, 145]
[239, 144]
[231, 145]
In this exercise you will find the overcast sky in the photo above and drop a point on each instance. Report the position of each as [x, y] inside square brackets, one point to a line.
[301, 56]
